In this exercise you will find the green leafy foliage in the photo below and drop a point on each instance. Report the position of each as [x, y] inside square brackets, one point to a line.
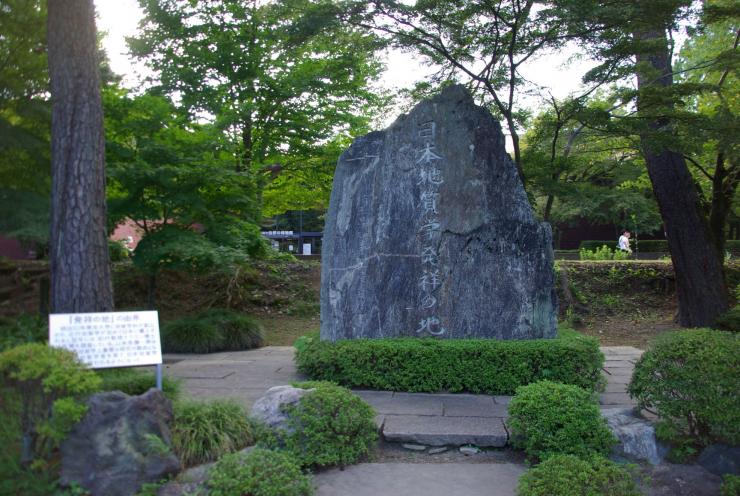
[25, 328]
[212, 330]
[548, 418]
[134, 382]
[488, 366]
[329, 426]
[730, 485]
[117, 251]
[51, 383]
[730, 321]
[258, 473]
[653, 245]
[690, 379]
[603, 253]
[205, 431]
[568, 475]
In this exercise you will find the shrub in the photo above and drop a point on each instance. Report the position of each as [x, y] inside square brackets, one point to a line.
[22, 329]
[568, 475]
[134, 382]
[329, 426]
[592, 244]
[117, 251]
[429, 365]
[51, 384]
[653, 245]
[730, 320]
[210, 331]
[690, 379]
[204, 431]
[258, 473]
[547, 418]
[730, 485]
[603, 253]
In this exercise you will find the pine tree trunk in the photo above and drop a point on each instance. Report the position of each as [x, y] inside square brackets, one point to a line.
[80, 269]
[700, 283]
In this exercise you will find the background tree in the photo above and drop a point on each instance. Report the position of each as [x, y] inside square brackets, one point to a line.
[280, 80]
[632, 39]
[484, 44]
[80, 269]
[25, 119]
[578, 172]
[175, 180]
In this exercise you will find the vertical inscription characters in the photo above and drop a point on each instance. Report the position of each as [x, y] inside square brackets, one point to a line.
[430, 178]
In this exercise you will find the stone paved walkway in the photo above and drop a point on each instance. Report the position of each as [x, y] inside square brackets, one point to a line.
[431, 419]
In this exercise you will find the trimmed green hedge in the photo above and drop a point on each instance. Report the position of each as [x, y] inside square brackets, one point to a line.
[653, 246]
[430, 365]
[593, 244]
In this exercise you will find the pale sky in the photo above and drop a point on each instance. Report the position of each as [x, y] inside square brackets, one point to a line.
[119, 18]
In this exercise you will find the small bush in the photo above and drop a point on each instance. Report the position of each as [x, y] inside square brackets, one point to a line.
[603, 253]
[51, 384]
[258, 473]
[205, 431]
[568, 475]
[117, 251]
[134, 382]
[730, 320]
[594, 244]
[488, 366]
[23, 329]
[730, 485]
[547, 418]
[690, 379]
[329, 426]
[211, 331]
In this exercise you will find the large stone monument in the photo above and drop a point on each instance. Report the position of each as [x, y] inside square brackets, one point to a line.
[429, 233]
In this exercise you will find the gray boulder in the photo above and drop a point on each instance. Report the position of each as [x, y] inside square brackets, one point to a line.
[122, 442]
[721, 459]
[430, 233]
[269, 408]
[636, 436]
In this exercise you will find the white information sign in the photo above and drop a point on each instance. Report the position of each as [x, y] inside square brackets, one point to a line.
[111, 339]
[306, 248]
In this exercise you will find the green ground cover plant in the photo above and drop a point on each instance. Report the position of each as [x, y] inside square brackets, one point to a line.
[548, 418]
[730, 320]
[330, 426]
[730, 485]
[205, 431]
[210, 331]
[488, 366]
[691, 378]
[260, 472]
[568, 475]
[26, 328]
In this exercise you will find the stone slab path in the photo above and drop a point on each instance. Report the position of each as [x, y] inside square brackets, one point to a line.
[420, 479]
[430, 419]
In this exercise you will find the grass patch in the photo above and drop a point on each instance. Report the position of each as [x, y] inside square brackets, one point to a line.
[135, 382]
[429, 365]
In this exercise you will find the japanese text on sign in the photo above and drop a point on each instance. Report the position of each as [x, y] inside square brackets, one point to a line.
[112, 339]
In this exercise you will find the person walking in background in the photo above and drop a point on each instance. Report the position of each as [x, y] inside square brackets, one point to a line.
[624, 242]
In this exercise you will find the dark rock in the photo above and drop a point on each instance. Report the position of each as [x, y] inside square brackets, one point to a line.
[721, 459]
[681, 480]
[429, 232]
[122, 442]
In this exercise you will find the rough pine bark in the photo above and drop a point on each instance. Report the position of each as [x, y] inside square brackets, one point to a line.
[701, 289]
[80, 269]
